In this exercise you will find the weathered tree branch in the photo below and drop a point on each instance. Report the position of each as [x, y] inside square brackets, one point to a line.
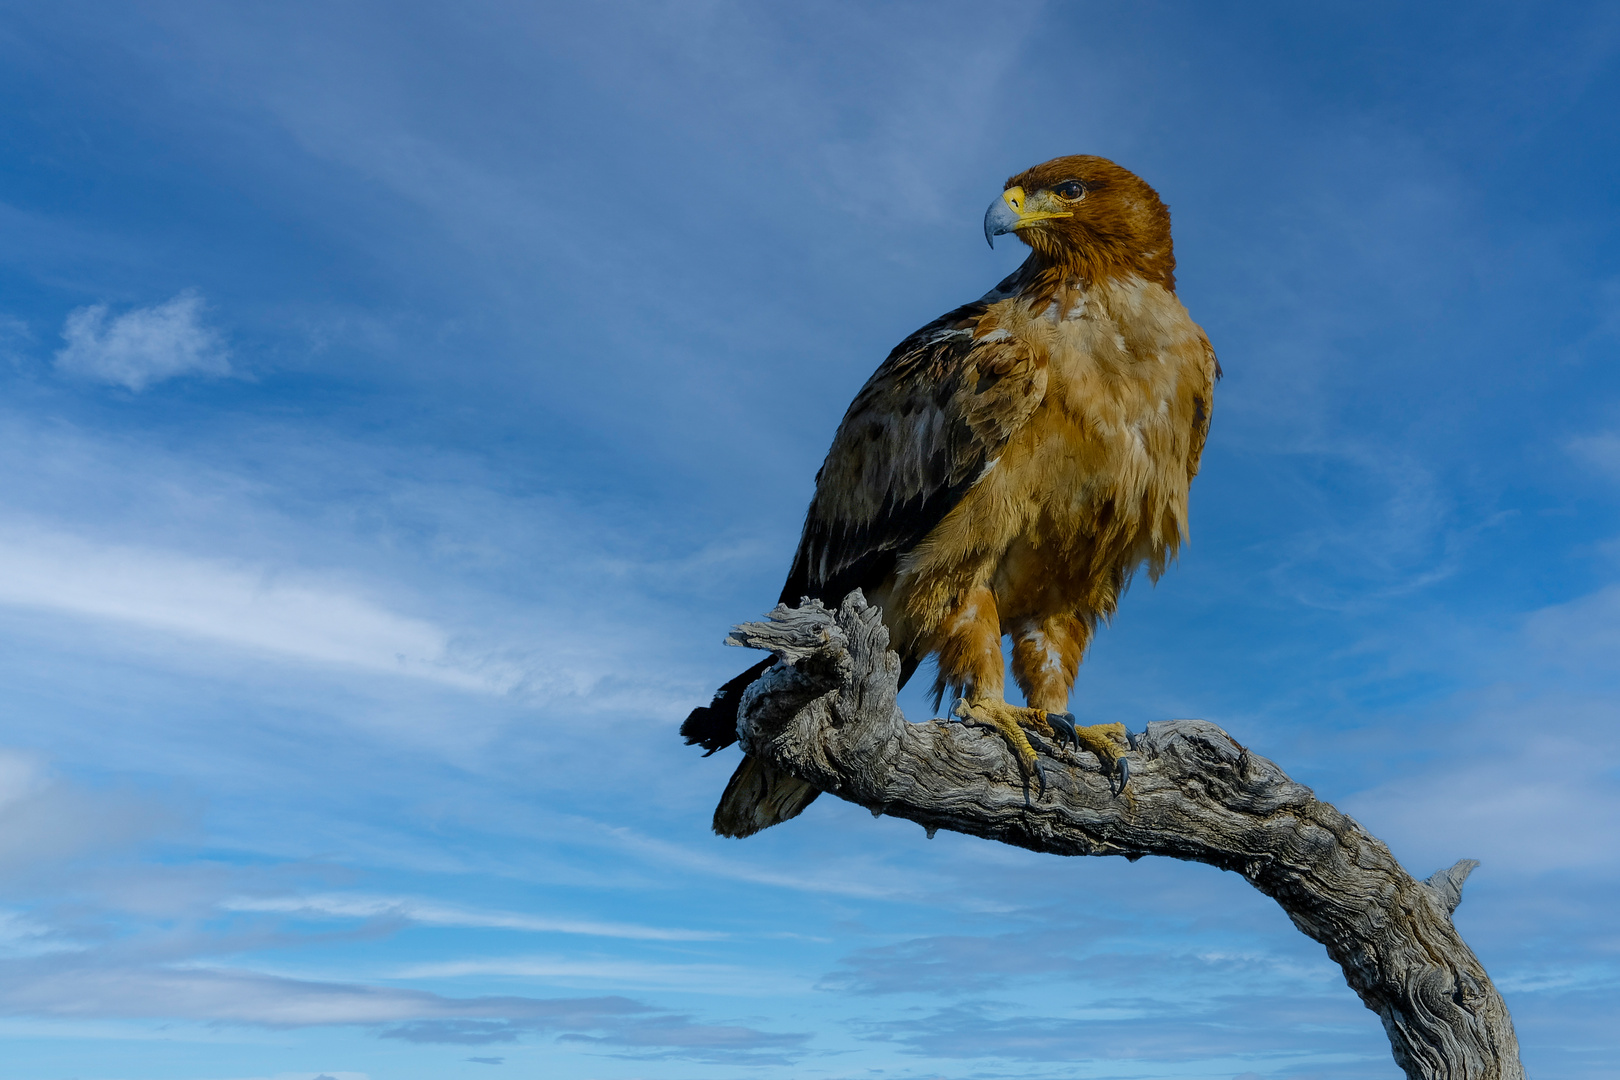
[827, 714]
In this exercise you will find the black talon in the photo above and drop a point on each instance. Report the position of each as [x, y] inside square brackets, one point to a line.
[1063, 722]
[1124, 774]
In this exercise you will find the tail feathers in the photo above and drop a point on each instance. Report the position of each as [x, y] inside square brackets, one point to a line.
[760, 795]
[714, 726]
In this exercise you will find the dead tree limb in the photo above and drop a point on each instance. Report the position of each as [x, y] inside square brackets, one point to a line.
[827, 714]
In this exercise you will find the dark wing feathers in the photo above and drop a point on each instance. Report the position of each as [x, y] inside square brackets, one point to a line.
[916, 438]
[919, 434]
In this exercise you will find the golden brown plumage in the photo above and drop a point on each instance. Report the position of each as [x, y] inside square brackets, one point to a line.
[1009, 467]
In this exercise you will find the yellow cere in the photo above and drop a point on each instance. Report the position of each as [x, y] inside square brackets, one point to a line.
[1016, 200]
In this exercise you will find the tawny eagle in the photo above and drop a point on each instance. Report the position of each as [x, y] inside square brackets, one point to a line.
[1007, 470]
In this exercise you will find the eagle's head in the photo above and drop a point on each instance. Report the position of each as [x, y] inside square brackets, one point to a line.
[1087, 215]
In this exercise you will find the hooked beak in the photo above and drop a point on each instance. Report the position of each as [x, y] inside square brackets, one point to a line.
[1016, 211]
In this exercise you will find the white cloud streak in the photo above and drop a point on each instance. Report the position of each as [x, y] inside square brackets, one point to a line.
[620, 974]
[237, 996]
[241, 996]
[1525, 782]
[428, 914]
[233, 604]
[21, 935]
[851, 878]
[144, 346]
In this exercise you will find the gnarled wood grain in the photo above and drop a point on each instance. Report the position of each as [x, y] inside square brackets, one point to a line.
[827, 714]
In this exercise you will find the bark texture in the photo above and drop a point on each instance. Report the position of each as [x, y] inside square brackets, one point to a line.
[827, 715]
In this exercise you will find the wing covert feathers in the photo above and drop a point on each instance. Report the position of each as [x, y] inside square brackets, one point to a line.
[921, 432]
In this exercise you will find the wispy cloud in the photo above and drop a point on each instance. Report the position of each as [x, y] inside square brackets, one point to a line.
[1137, 1029]
[724, 979]
[854, 877]
[1600, 450]
[417, 575]
[47, 820]
[245, 606]
[21, 935]
[1526, 789]
[1582, 634]
[430, 914]
[616, 1024]
[143, 346]
[89, 989]
[962, 964]
[675, 1037]
[1519, 774]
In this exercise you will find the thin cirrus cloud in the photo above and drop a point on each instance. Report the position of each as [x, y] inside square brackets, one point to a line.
[241, 996]
[143, 346]
[1581, 634]
[85, 990]
[243, 606]
[429, 914]
[718, 979]
[1133, 1030]
[21, 935]
[1601, 449]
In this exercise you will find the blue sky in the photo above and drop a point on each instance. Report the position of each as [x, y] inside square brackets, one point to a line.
[401, 401]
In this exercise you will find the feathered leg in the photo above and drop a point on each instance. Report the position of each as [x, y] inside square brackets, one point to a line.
[968, 647]
[1046, 659]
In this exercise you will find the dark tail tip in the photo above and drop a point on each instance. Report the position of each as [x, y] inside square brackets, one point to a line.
[707, 726]
[714, 726]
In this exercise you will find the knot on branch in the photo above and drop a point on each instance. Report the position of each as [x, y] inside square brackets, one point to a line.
[1219, 767]
[829, 703]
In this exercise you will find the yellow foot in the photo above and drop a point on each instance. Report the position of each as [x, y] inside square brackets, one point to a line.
[1011, 721]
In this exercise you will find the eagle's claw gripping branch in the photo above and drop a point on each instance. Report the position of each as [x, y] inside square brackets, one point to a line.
[827, 715]
[1063, 724]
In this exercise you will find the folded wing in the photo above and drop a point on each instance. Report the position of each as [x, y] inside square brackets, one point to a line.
[926, 426]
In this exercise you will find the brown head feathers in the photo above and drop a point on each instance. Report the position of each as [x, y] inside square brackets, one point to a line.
[1117, 224]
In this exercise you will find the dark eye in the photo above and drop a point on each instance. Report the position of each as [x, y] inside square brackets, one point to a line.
[1069, 189]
